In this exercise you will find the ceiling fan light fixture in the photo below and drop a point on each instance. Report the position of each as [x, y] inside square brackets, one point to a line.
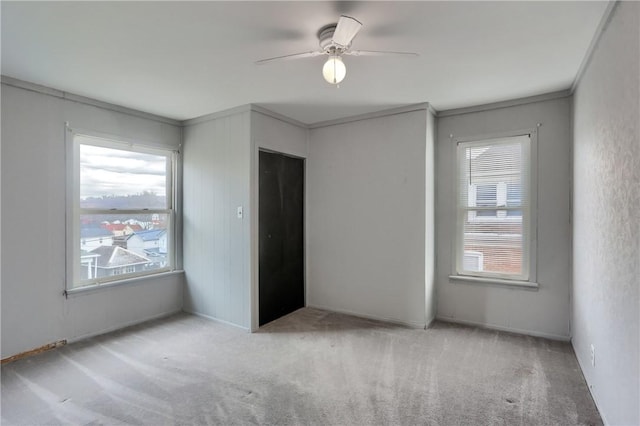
[334, 70]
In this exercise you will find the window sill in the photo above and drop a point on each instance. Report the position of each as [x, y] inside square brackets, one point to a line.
[496, 281]
[128, 281]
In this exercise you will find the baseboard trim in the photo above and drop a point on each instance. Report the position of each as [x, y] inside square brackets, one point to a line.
[123, 326]
[502, 328]
[371, 317]
[35, 351]
[218, 320]
[429, 322]
[75, 339]
[581, 364]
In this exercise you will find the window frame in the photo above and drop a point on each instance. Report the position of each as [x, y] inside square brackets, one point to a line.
[73, 283]
[529, 250]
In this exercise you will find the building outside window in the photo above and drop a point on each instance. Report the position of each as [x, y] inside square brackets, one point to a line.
[118, 190]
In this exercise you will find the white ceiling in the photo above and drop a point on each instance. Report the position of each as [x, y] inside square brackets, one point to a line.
[186, 59]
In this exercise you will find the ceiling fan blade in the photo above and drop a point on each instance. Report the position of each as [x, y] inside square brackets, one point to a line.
[378, 53]
[287, 57]
[346, 30]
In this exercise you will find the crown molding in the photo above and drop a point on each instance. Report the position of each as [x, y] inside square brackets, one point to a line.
[37, 88]
[602, 26]
[269, 113]
[376, 114]
[216, 115]
[505, 104]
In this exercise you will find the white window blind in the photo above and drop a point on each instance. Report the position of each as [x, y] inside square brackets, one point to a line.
[494, 208]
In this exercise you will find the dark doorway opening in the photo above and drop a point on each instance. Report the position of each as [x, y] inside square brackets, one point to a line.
[281, 235]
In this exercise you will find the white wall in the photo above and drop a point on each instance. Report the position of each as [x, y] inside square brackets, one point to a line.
[34, 310]
[543, 312]
[366, 217]
[221, 252]
[270, 132]
[216, 244]
[220, 175]
[606, 247]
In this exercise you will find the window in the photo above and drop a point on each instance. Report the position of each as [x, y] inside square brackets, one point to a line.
[494, 215]
[121, 210]
[495, 195]
[486, 196]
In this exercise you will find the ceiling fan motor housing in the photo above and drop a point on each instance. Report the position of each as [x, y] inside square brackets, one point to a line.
[325, 35]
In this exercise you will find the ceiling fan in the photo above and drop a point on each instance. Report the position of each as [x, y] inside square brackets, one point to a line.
[335, 41]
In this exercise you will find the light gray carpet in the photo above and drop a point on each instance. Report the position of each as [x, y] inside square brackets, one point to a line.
[310, 367]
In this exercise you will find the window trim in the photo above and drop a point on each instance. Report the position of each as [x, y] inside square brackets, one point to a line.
[73, 209]
[530, 249]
